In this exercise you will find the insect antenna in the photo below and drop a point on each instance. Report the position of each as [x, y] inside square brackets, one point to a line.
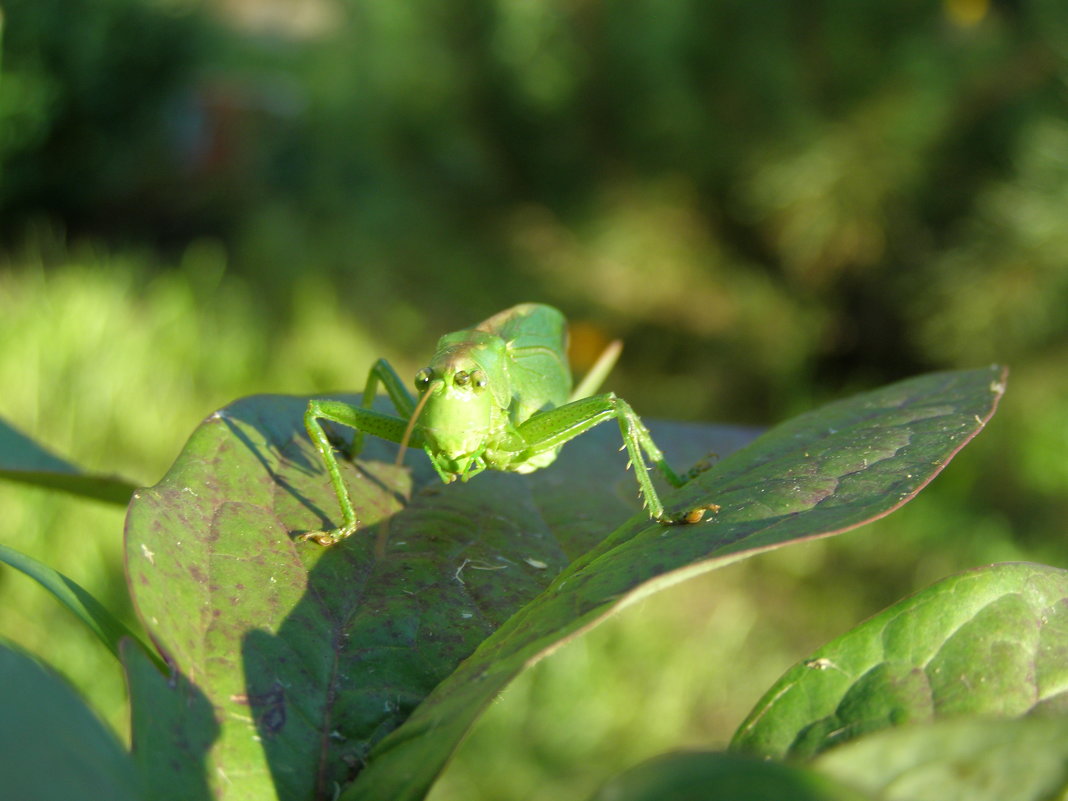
[411, 423]
[383, 532]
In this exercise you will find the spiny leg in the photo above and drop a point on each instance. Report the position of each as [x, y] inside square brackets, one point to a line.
[636, 438]
[362, 421]
[554, 427]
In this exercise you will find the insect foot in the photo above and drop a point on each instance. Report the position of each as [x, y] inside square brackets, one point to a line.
[327, 538]
[690, 517]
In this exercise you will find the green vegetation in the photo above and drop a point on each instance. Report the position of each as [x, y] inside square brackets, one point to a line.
[773, 205]
[355, 670]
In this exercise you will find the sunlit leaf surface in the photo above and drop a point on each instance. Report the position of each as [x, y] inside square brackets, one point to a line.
[991, 642]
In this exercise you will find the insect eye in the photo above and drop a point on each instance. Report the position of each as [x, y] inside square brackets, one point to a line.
[478, 378]
[422, 378]
[462, 378]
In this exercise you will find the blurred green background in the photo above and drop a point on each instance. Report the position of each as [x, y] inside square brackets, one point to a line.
[774, 204]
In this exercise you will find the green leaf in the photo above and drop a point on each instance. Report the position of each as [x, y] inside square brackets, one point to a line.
[819, 474]
[711, 776]
[990, 642]
[957, 760]
[311, 657]
[22, 459]
[52, 747]
[308, 655]
[108, 628]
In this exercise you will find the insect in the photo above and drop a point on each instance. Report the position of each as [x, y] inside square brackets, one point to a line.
[497, 396]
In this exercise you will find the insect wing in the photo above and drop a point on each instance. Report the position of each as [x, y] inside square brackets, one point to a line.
[536, 339]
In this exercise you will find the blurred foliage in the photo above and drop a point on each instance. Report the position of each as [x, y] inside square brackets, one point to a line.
[84, 108]
[776, 197]
[773, 203]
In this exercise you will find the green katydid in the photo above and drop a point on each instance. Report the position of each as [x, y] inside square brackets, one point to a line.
[495, 396]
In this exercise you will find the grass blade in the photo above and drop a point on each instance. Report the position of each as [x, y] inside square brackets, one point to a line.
[23, 460]
[108, 628]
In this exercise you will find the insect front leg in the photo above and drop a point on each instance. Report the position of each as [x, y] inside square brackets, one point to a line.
[362, 421]
[552, 428]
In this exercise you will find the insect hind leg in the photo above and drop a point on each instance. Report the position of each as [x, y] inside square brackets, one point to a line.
[552, 428]
[636, 438]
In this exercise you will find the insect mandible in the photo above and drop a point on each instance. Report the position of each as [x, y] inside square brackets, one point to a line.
[497, 396]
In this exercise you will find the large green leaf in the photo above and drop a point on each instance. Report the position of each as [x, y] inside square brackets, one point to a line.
[52, 747]
[22, 459]
[990, 642]
[311, 656]
[969, 759]
[819, 474]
